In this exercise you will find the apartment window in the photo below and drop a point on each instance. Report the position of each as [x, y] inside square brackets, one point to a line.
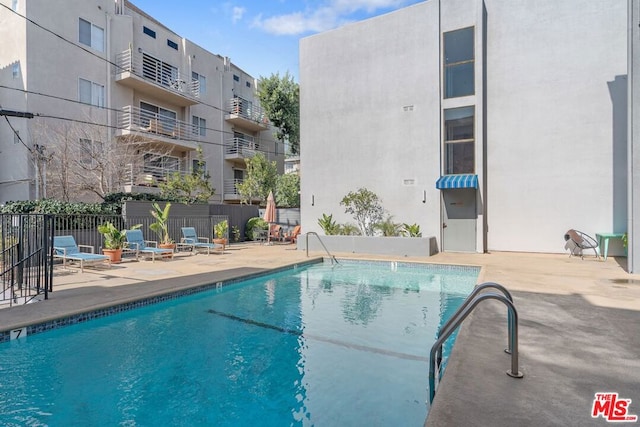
[199, 167]
[159, 119]
[15, 71]
[202, 82]
[172, 44]
[90, 93]
[148, 31]
[236, 78]
[14, 5]
[199, 126]
[91, 35]
[90, 151]
[160, 166]
[459, 140]
[459, 63]
[248, 84]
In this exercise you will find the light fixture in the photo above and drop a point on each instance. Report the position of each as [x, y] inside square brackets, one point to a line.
[313, 200]
[424, 196]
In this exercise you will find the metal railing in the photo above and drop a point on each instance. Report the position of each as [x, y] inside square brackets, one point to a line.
[248, 110]
[136, 119]
[242, 147]
[149, 176]
[26, 266]
[470, 303]
[157, 71]
[333, 258]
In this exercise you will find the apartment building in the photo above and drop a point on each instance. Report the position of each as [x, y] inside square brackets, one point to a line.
[493, 124]
[103, 73]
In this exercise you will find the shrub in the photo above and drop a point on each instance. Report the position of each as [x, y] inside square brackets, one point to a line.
[328, 225]
[366, 208]
[254, 224]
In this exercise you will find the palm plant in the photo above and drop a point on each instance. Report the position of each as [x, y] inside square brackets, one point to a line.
[388, 228]
[161, 226]
[411, 230]
[328, 225]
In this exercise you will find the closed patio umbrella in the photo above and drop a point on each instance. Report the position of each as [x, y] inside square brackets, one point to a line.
[270, 214]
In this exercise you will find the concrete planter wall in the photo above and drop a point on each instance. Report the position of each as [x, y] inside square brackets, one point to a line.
[399, 246]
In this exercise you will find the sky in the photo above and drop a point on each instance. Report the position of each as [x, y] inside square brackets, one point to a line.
[261, 36]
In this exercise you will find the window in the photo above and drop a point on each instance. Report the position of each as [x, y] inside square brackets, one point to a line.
[199, 126]
[90, 93]
[160, 166]
[158, 119]
[248, 84]
[202, 82]
[14, 5]
[459, 63]
[15, 70]
[91, 35]
[236, 78]
[459, 140]
[90, 151]
[199, 167]
[148, 31]
[172, 44]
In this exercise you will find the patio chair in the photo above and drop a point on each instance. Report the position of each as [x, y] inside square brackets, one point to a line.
[65, 248]
[137, 244]
[190, 238]
[577, 242]
[292, 236]
[275, 232]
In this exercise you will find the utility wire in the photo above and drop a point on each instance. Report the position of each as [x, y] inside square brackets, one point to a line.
[89, 51]
[16, 133]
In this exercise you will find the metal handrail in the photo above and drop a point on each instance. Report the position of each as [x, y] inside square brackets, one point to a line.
[333, 258]
[459, 317]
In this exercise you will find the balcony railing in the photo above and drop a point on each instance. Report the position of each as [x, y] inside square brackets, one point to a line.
[230, 187]
[241, 147]
[156, 71]
[247, 114]
[139, 120]
[149, 176]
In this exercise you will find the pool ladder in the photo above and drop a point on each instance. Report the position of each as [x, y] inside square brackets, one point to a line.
[435, 357]
[333, 259]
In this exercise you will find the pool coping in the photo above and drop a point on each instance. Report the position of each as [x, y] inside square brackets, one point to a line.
[147, 293]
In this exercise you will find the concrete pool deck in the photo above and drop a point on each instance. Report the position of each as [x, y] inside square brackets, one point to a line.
[578, 327]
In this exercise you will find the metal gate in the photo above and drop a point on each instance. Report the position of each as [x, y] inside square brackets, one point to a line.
[26, 257]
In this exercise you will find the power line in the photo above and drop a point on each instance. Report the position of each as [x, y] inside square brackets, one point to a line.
[89, 51]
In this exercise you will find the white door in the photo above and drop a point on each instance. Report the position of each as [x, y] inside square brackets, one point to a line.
[459, 218]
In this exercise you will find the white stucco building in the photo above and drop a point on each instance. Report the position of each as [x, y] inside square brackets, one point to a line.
[111, 67]
[493, 124]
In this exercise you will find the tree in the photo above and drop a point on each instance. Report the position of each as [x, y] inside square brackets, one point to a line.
[280, 98]
[84, 162]
[366, 208]
[288, 191]
[261, 176]
[194, 187]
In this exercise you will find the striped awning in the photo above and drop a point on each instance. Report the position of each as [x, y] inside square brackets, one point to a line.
[457, 181]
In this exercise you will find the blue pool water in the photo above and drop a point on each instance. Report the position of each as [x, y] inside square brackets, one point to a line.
[317, 345]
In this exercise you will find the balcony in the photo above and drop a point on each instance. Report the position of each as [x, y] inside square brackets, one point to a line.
[147, 179]
[143, 124]
[239, 149]
[246, 115]
[230, 192]
[156, 78]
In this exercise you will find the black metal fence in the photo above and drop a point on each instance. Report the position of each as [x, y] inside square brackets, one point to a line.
[26, 268]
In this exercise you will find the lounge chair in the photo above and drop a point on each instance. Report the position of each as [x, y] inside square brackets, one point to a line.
[137, 244]
[577, 241]
[275, 232]
[65, 248]
[293, 235]
[190, 238]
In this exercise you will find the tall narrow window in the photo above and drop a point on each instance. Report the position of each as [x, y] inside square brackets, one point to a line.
[459, 140]
[14, 5]
[16, 70]
[91, 35]
[459, 60]
[202, 82]
[199, 126]
[90, 93]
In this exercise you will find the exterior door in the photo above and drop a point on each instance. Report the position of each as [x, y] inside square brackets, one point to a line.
[459, 220]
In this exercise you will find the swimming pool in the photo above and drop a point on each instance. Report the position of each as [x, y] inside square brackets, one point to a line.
[315, 345]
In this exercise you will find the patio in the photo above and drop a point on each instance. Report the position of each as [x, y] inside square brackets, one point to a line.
[578, 324]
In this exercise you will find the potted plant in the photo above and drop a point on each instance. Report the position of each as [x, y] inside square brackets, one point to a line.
[161, 226]
[220, 231]
[114, 240]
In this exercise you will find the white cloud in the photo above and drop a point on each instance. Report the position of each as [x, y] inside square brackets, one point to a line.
[332, 14]
[237, 13]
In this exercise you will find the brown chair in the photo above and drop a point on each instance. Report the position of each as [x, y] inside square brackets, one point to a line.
[577, 241]
[292, 236]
